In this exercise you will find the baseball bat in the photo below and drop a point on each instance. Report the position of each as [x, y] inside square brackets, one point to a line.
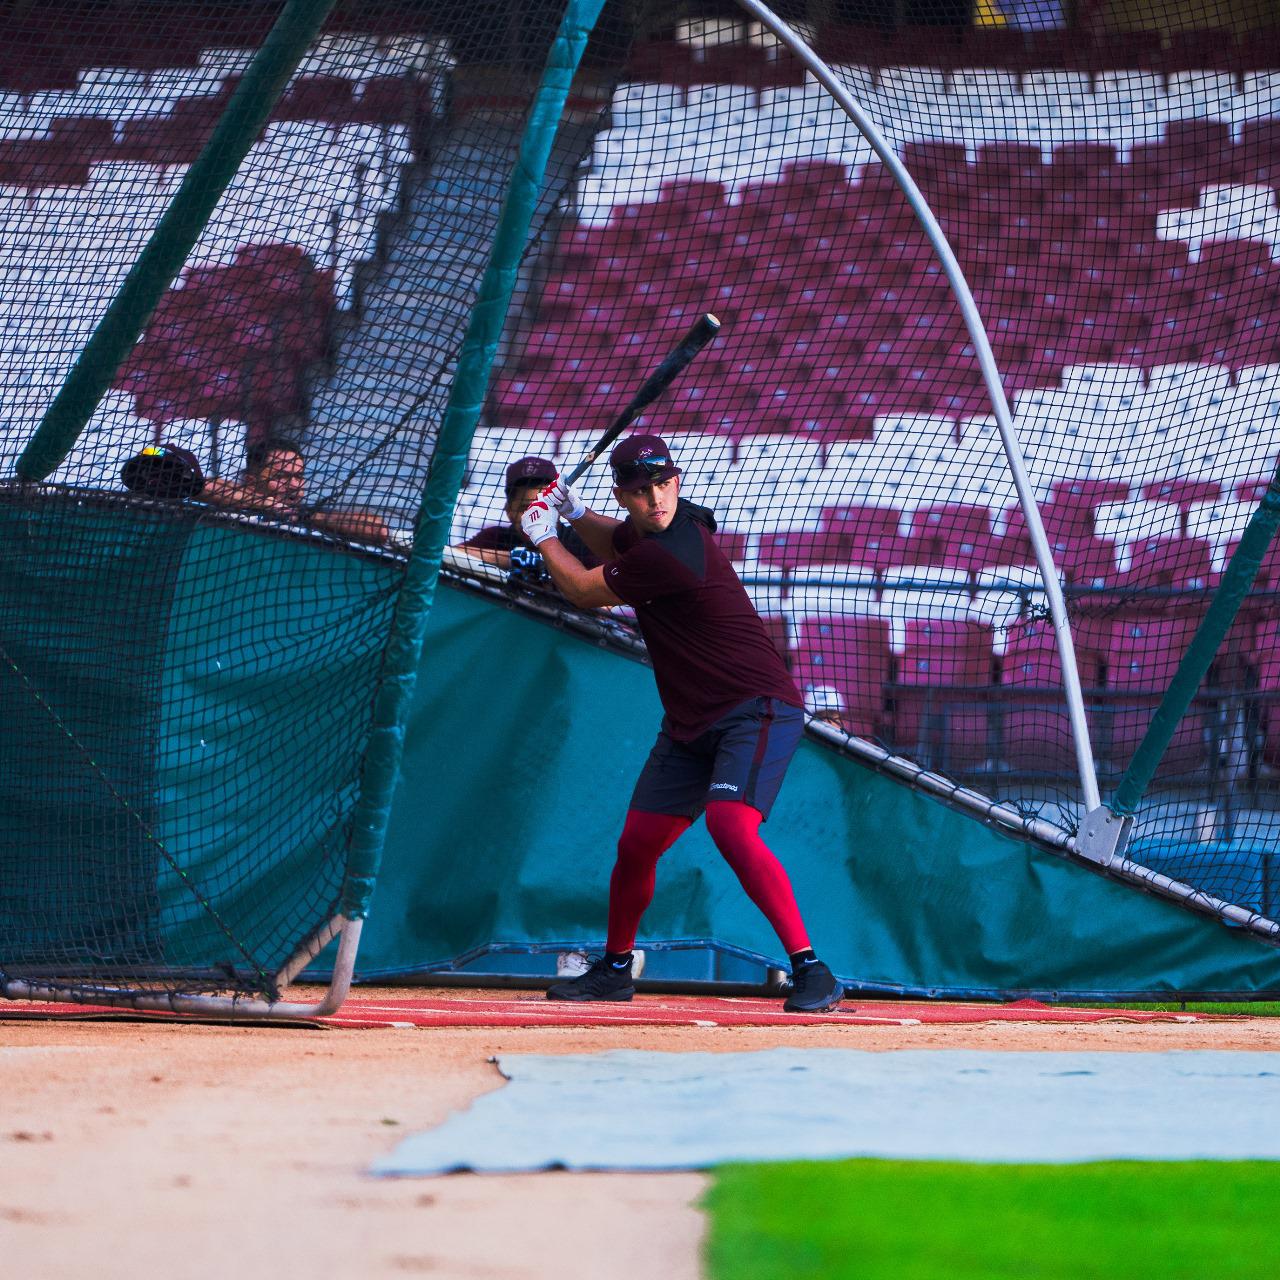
[653, 386]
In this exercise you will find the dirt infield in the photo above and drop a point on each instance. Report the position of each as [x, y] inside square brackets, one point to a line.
[141, 1149]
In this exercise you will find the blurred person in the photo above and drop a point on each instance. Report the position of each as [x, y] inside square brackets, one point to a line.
[525, 480]
[275, 482]
[826, 705]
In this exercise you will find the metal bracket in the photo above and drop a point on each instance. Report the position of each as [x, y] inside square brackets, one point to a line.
[1103, 836]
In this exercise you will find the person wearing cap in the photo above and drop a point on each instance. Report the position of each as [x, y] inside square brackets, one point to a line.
[734, 716]
[525, 480]
[164, 471]
[275, 482]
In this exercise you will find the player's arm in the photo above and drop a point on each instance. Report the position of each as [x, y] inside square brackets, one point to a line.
[597, 532]
[356, 526]
[223, 493]
[486, 555]
[579, 585]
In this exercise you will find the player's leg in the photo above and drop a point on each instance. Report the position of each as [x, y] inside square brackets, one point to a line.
[755, 746]
[667, 796]
[645, 838]
[735, 828]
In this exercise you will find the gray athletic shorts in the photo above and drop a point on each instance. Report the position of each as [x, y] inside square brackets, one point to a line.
[743, 756]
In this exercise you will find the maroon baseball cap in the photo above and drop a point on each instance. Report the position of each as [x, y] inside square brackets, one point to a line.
[529, 471]
[640, 461]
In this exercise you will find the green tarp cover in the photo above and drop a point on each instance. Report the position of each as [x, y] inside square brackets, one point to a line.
[185, 708]
[521, 750]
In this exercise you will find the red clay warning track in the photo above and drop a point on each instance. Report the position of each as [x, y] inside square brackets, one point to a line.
[467, 1009]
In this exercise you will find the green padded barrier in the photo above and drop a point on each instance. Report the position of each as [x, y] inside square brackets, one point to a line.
[150, 824]
[501, 836]
[294, 636]
[78, 738]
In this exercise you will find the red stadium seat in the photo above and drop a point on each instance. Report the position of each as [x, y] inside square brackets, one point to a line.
[862, 521]
[1168, 562]
[1121, 722]
[1075, 164]
[1251, 490]
[937, 715]
[866, 45]
[328, 99]
[88, 138]
[1184, 494]
[983, 46]
[402, 99]
[1098, 50]
[1087, 494]
[1068, 520]
[1258, 152]
[933, 163]
[852, 656]
[1001, 165]
[1036, 734]
[947, 521]
[662, 61]
[1195, 50]
[1140, 662]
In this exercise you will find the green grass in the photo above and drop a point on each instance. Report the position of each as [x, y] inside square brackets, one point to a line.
[899, 1220]
[1253, 1009]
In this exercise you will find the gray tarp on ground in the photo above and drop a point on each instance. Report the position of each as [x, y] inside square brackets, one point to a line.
[632, 1110]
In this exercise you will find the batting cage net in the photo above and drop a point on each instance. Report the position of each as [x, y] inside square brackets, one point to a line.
[242, 247]
[1105, 176]
[207, 510]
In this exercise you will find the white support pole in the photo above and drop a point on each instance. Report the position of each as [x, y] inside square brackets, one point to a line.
[990, 375]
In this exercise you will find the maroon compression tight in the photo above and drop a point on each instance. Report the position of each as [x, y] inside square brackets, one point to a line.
[735, 828]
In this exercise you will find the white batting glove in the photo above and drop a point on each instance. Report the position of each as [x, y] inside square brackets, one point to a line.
[564, 500]
[539, 522]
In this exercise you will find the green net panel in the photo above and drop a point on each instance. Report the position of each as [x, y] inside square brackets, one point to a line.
[188, 678]
[189, 675]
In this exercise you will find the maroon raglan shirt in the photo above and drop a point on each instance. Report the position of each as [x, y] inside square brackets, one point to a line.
[709, 649]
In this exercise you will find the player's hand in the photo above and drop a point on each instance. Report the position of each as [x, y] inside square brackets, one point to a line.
[565, 500]
[539, 522]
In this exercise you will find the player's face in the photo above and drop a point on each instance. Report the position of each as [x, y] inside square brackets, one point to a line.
[652, 508]
[283, 477]
[520, 498]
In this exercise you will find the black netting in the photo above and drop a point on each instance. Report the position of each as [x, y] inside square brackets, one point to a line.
[198, 669]
[194, 606]
[1109, 189]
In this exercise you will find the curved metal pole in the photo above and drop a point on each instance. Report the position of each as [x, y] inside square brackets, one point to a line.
[990, 375]
[208, 1006]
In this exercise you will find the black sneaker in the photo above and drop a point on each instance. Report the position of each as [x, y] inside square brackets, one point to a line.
[813, 988]
[601, 982]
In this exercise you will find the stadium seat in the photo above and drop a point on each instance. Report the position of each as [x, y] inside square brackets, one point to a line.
[1210, 49]
[788, 550]
[1124, 522]
[1176, 562]
[1140, 660]
[936, 717]
[851, 655]
[1036, 735]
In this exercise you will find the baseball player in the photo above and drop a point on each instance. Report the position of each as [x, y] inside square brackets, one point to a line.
[733, 714]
